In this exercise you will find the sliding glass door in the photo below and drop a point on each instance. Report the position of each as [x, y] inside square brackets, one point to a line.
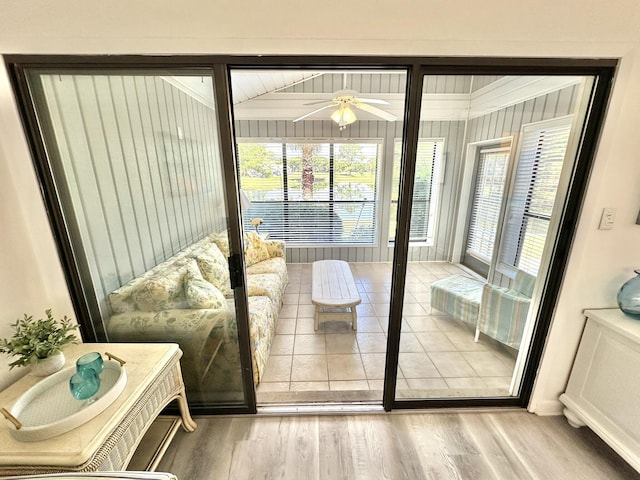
[318, 159]
[472, 289]
[145, 204]
[190, 198]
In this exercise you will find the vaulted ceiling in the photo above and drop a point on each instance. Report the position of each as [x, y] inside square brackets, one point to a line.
[290, 94]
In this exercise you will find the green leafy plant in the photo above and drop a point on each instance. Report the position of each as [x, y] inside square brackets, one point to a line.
[37, 339]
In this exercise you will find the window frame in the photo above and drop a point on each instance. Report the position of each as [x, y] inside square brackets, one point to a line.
[437, 181]
[480, 151]
[510, 269]
[332, 141]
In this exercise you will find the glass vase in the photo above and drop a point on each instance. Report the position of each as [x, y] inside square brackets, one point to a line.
[629, 296]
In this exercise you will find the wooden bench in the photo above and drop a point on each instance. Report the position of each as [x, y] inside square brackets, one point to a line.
[334, 292]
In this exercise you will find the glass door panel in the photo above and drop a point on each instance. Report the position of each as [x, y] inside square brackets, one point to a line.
[493, 197]
[316, 153]
[135, 160]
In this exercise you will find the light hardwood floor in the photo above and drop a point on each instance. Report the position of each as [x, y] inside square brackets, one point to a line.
[417, 445]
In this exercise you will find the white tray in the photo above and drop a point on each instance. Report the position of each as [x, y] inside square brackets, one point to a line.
[48, 409]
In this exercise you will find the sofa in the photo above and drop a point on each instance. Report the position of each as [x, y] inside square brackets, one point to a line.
[188, 300]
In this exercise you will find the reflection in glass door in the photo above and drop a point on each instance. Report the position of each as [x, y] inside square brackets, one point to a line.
[135, 159]
[496, 211]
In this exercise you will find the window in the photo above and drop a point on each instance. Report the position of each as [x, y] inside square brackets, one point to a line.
[537, 176]
[491, 171]
[426, 190]
[313, 192]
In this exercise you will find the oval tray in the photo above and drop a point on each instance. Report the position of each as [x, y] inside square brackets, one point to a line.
[48, 409]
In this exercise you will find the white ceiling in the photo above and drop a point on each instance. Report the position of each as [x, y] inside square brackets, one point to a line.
[268, 95]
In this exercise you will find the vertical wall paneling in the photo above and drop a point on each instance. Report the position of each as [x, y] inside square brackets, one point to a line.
[140, 159]
[54, 89]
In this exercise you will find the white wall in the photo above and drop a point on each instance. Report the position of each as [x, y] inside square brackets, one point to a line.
[31, 279]
[600, 261]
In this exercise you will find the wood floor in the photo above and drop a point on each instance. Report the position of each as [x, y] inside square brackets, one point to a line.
[439, 445]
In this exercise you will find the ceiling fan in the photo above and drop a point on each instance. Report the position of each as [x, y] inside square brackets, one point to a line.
[344, 100]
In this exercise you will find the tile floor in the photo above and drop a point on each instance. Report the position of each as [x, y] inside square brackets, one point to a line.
[438, 356]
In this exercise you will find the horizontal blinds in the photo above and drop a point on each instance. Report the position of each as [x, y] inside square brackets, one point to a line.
[425, 189]
[536, 182]
[487, 201]
[312, 193]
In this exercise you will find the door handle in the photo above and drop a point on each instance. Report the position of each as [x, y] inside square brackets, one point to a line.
[235, 271]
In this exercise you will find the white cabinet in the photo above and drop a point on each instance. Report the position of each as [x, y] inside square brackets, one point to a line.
[604, 387]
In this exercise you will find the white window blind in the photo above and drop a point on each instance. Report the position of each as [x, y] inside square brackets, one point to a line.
[426, 190]
[486, 203]
[313, 192]
[538, 172]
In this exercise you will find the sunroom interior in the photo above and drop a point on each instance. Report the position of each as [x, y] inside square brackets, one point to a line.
[319, 162]
[345, 177]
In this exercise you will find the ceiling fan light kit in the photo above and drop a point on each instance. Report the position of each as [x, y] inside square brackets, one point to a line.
[344, 115]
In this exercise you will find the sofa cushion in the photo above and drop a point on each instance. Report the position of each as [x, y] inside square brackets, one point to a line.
[458, 296]
[255, 250]
[161, 291]
[222, 242]
[273, 265]
[199, 293]
[212, 250]
[214, 273]
[262, 328]
[266, 285]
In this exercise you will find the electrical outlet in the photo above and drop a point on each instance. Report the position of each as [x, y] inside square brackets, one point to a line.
[607, 219]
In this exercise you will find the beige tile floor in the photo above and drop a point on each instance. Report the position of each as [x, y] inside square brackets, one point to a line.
[438, 356]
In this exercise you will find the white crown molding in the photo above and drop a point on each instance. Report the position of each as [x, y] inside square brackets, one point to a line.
[508, 91]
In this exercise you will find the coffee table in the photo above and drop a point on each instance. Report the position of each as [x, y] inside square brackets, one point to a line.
[334, 292]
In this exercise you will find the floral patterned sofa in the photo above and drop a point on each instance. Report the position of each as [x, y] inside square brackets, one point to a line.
[188, 300]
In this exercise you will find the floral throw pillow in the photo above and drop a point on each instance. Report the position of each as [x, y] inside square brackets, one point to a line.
[213, 251]
[214, 273]
[255, 249]
[222, 241]
[200, 293]
[159, 292]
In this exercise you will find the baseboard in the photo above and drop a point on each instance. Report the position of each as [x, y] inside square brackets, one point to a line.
[547, 408]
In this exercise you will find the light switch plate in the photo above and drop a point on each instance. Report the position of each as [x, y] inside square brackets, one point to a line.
[607, 219]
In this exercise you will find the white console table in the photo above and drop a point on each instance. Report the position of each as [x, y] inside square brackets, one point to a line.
[109, 440]
[604, 387]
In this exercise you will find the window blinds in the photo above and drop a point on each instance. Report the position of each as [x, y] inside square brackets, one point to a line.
[487, 202]
[536, 181]
[311, 193]
[426, 189]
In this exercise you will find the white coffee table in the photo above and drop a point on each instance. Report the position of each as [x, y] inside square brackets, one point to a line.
[334, 292]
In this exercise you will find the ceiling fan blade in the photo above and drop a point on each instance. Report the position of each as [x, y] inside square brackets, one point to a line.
[318, 102]
[376, 111]
[373, 100]
[314, 111]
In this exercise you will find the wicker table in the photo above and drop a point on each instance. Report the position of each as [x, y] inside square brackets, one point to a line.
[108, 441]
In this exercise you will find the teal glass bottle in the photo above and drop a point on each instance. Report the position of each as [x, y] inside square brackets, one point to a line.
[629, 296]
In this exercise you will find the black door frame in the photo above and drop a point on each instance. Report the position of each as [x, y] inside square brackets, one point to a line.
[417, 67]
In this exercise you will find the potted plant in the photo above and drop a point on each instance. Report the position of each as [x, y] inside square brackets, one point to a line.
[39, 343]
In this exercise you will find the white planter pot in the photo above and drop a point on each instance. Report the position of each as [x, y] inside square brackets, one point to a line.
[47, 366]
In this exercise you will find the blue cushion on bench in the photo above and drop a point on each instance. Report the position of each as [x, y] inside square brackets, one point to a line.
[458, 296]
